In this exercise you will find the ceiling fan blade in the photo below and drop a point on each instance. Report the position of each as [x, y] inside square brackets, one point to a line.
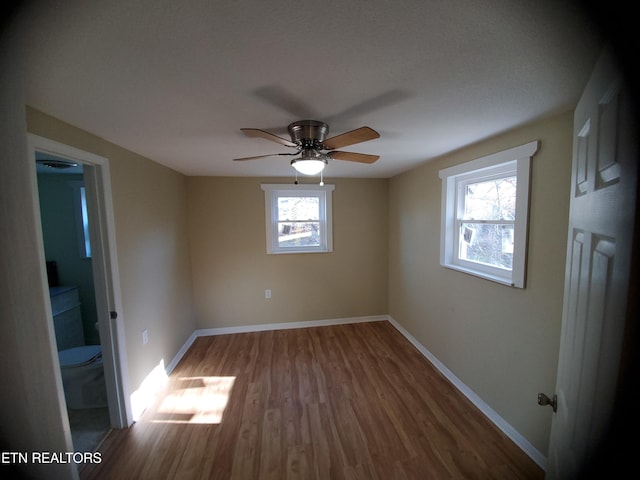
[358, 135]
[255, 132]
[353, 157]
[262, 156]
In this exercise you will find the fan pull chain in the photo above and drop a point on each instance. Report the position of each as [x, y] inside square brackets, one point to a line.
[296, 182]
[321, 179]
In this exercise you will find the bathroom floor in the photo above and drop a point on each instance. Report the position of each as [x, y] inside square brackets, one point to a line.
[88, 427]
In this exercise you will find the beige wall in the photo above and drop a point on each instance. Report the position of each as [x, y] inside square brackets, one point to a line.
[31, 406]
[502, 342]
[231, 269]
[149, 203]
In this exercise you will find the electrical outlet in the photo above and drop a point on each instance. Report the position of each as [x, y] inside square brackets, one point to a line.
[145, 336]
[267, 294]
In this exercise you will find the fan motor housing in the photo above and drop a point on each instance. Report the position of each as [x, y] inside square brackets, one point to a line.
[308, 133]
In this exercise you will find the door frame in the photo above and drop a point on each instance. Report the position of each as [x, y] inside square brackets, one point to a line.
[105, 268]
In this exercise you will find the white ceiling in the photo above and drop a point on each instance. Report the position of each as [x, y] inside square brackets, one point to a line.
[176, 80]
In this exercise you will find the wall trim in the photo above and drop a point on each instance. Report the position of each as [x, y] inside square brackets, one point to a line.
[206, 332]
[288, 325]
[491, 414]
[173, 363]
[97, 180]
[496, 419]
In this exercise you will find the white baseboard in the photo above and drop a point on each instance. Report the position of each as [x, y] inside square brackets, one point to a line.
[284, 326]
[206, 332]
[181, 353]
[500, 422]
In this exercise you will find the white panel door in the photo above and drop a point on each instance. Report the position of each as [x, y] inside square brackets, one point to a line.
[599, 248]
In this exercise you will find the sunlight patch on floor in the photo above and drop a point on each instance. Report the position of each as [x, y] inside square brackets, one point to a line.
[197, 400]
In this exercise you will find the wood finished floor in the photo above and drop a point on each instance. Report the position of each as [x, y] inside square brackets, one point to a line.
[351, 401]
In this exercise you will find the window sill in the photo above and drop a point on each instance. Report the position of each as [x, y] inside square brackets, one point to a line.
[289, 252]
[484, 275]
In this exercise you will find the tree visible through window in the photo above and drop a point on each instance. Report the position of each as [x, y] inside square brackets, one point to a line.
[485, 215]
[298, 221]
[298, 218]
[486, 229]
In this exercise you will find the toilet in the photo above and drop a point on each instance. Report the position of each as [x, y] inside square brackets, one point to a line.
[83, 377]
[80, 364]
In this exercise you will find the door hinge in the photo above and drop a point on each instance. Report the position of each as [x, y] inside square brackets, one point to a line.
[544, 400]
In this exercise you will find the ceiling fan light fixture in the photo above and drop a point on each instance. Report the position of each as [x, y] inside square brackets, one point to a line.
[310, 163]
[308, 167]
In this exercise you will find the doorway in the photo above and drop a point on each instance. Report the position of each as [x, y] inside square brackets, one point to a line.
[82, 265]
[68, 253]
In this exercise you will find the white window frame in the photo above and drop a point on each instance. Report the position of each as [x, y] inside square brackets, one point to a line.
[323, 192]
[514, 161]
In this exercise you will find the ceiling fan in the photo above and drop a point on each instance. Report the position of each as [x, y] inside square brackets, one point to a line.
[308, 138]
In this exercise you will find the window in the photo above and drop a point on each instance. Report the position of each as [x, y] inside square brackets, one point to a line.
[485, 210]
[82, 218]
[298, 218]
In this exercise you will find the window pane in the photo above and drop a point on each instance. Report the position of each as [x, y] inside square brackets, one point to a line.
[298, 208]
[298, 234]
[487, 243]
[298, 218]
[85, 222]
[491, 200]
